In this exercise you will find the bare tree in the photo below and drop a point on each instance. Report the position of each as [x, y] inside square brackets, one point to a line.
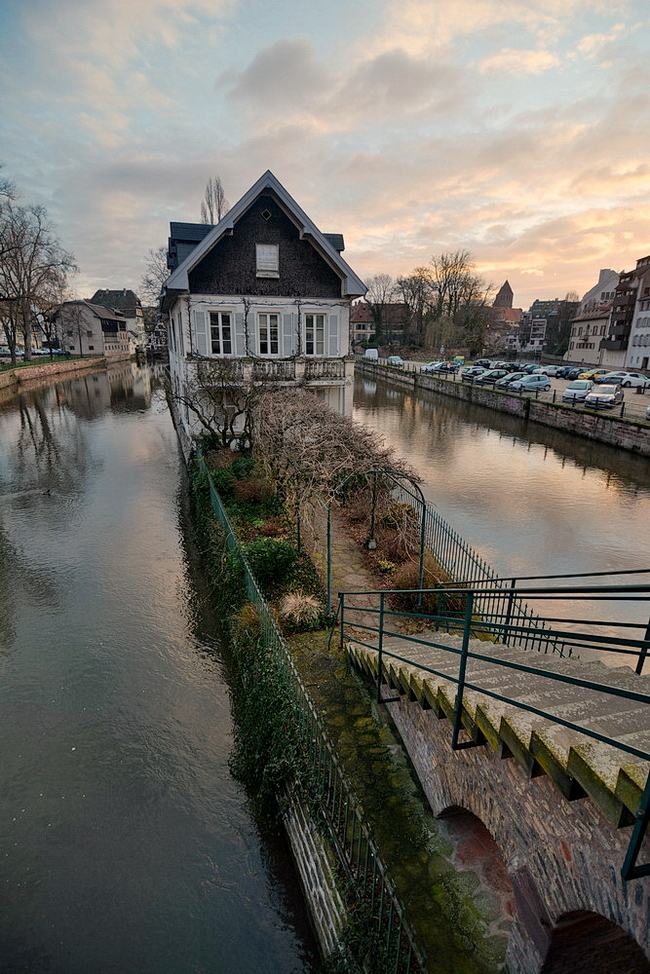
[218, 396]
[417, 292]
[32, 262]
[214, 205]
[154, 277]
[381, 292]
[308, 450]
[461, 299]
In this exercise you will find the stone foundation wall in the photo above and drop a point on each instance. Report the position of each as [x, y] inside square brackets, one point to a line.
[561, 856]
[317, 878]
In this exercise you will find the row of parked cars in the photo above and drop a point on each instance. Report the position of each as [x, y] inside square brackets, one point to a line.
[596, 388]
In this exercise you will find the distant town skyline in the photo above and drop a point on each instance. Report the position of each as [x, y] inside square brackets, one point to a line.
[518, 130]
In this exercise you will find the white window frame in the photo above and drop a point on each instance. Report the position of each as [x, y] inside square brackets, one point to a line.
[217, 329]
[265, 330]
[316, 327]
[267, 260]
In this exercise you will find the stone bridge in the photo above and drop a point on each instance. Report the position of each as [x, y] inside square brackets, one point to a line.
[558, 804]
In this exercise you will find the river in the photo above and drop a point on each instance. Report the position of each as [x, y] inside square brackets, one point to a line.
[529, 500]
[127, 847]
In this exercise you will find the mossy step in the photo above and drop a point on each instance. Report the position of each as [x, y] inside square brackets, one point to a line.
[575, 762]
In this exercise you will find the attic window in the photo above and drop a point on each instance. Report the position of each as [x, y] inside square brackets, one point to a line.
[266, 214]
[267, 260]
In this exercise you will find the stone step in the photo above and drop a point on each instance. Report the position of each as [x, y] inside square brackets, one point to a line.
[578, 764]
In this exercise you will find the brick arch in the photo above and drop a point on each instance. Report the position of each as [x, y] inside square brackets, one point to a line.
[587, 943]
[476, 850]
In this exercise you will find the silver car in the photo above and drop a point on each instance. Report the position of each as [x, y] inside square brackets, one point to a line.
[578, 389]
[604, 397]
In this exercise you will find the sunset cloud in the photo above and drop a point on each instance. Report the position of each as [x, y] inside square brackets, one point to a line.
[518, 130]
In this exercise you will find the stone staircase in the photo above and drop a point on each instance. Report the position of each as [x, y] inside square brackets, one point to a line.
[578, 764]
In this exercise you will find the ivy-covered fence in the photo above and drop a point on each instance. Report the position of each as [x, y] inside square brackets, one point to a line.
[374, 904]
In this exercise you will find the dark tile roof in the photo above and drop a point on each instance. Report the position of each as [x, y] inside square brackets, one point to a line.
[122, 300]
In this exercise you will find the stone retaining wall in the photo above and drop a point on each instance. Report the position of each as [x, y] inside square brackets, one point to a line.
[559, 854]
[317, 878]
[14, 378]
[622, 433]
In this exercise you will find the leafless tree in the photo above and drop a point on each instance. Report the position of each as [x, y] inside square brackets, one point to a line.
[417, 292]
[71, 322]
[154, 277]
[214, 205]
[308, 450]
[380, 294]
[221, 400]
[32, 262]
[461, 297]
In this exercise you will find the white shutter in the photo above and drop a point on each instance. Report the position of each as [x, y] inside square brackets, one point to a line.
[289, 337]
[200, 333]
[240, 334]
[333, 336]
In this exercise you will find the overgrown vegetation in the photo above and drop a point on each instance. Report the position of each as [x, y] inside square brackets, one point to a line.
[272, 754]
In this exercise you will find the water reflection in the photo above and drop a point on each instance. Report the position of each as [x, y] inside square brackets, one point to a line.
[530, 500]
[127, 846]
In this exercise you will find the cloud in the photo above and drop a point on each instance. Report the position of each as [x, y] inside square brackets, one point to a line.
[516, 61]
[281, 75]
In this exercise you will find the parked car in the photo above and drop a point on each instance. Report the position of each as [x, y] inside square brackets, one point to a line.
[489, 377]
[592, 373]
[471, 372]
[635, 380]
[447, 367]
[504, 383]
[578, 389]
[396, 361]
[551, 370]
[532, 383]
[371, 355]
[430, 366]
[563, 372]
[604, 397]
[574, 372]
[482, 363]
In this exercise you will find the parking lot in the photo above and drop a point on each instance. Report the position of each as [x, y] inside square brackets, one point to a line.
[634, 405]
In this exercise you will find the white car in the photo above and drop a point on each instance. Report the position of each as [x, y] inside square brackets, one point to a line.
[628, 380]
[431, 366]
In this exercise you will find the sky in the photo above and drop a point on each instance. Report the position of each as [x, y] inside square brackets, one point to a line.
[518, 130]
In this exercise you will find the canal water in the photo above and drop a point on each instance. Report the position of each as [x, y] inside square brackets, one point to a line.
[127, 848]
[529, 500]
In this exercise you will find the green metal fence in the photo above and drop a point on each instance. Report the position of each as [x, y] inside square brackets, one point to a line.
[341, 811]
[466, 567]
[480, 635]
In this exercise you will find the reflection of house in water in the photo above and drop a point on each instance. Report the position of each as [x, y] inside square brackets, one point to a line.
[124, 387]
[130, 386]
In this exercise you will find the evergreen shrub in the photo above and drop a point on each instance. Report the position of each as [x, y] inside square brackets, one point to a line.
[272, 562]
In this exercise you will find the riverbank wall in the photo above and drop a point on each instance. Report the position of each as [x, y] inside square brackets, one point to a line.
[13, 381]
[626, 434]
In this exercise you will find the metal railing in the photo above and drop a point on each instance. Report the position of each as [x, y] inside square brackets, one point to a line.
[341, 810]
[467, 568]
[481, 613]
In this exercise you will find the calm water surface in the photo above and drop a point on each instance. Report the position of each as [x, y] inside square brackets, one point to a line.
[529, 500]
[127, 848]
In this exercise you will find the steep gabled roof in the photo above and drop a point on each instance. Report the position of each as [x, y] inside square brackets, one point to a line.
[326, 244]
